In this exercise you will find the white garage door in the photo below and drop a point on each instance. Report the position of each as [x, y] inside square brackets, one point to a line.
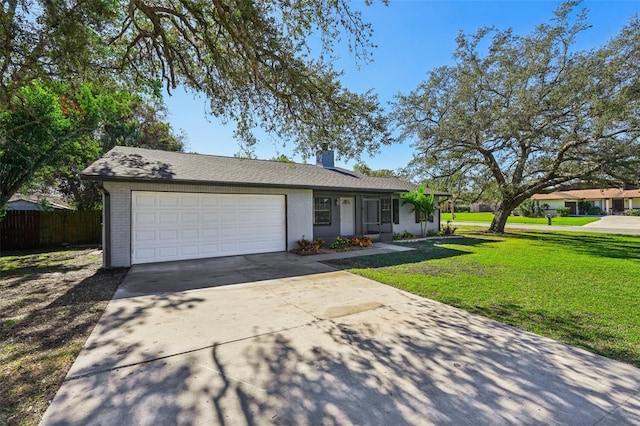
[177, 226]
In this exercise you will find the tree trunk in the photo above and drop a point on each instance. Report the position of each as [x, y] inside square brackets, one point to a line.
[501, 216]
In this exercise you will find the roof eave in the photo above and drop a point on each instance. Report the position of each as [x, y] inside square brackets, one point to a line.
[100, 178]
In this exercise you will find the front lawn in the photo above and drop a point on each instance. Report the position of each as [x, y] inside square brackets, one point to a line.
[488, 217]
[582, 289]
[49, 304]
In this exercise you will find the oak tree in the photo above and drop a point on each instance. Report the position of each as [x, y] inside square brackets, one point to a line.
[529, 113]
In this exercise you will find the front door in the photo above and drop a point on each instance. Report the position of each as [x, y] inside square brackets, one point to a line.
[347, 213]
[573, 207]
[618, 205]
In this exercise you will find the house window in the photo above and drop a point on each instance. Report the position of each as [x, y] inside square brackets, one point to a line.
[396, 211]
[322, 211]
[385, 207]
[430, 219]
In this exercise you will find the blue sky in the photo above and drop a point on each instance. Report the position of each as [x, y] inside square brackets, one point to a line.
[412, 38]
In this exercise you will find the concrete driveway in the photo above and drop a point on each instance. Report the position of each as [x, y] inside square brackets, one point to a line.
[287, 340]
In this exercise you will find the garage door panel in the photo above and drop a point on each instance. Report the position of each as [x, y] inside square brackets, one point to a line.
[148, 235]
[168, 202]
[168, 217]
[210, 232]
[190, 202]
[145, 218]
[168, 234]
[189, 234]
[180, 226]
[210, 217]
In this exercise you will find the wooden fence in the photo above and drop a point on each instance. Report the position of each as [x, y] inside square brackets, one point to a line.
[26, 229]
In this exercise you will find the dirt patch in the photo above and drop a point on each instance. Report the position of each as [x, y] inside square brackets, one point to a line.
[50, 303]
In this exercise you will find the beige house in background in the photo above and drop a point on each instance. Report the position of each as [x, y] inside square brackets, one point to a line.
[610, 200]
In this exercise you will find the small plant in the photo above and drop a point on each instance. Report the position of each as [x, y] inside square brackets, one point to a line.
[632, 212]
[405, 235]
[365, 242]
[341, 243]
[563, 211]
[354, 242]
[307, 246]
[448, 229]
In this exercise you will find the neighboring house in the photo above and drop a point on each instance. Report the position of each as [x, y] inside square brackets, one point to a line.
[610, 200]
[163, 206]
[35, 202]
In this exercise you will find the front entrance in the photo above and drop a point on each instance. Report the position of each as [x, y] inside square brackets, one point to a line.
[618, 205]
[347, 216]
[573, 207]
[371, 216]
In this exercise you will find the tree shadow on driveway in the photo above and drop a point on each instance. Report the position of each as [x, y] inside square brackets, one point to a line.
[417, 362]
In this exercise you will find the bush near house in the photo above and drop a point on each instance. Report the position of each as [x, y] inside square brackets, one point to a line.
[307, 246]
[632, 212]
[563, 211]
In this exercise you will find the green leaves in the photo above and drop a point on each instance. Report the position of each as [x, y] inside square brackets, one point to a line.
[423, 205]
[529, 113]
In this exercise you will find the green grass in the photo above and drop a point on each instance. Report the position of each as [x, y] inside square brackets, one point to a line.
[582, 289]
[488, 217]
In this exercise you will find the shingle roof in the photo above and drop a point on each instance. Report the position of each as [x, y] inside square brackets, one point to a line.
[137, 164]
[54, 201]
[596, 193]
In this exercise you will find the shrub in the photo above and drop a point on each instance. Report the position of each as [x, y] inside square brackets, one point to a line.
[405, 235]
[584, 206]
[462, 209]
[341, 243]
[448, 229]
[632, 212]
[307, 246]
[563, 211]
[531, 208]
[354, 242]
[595, 210]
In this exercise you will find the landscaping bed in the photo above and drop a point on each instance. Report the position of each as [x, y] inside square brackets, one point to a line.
[581, 289]
[50, 303]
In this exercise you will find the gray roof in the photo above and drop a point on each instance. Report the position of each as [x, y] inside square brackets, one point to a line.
[137, 164]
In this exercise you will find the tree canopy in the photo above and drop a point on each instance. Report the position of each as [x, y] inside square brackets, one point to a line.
[254, 60]
[530, 113]
[362, 168]
[49, 123]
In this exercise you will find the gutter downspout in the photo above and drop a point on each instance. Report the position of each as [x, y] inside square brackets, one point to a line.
[106, 228]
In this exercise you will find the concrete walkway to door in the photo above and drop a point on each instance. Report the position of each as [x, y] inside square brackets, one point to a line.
[287, 340]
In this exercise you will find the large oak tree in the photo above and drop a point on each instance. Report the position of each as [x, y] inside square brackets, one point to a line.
[529, 113]
[262, 64]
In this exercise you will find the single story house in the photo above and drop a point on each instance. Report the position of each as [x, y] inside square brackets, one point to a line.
[38, 202]
[163, 206]
[610, 200]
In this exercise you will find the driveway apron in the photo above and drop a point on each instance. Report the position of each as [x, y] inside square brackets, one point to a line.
[282, 339]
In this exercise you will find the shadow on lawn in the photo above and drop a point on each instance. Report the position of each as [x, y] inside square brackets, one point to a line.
[35, 348]
[585, 331]
[424, 250]
[617, 247]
